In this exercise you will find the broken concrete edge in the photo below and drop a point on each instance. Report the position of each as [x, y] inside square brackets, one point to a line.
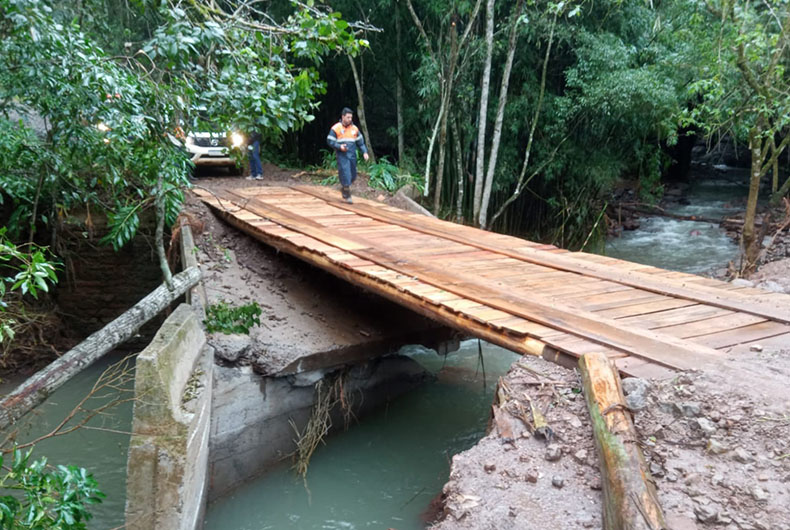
[168, 450]
[442, 340]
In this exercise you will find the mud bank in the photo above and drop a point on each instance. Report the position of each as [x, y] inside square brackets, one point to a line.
[716, 444]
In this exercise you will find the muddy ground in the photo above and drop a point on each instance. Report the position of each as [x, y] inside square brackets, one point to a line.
[716, 442]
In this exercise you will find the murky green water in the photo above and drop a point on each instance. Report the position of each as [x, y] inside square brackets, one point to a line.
[100, 446]
[686, 246]
[383, 472]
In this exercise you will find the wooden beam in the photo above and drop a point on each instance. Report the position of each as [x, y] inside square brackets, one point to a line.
[630, 501]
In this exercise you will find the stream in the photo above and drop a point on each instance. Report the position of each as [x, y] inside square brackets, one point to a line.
[382, 472]
[687, 246]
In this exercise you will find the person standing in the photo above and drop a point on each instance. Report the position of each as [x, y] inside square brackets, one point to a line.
[256, 169]
[345, 139]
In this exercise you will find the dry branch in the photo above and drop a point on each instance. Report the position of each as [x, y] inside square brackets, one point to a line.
[629, 496]
[38, 387]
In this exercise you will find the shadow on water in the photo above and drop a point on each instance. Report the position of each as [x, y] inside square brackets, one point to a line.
[384, 471]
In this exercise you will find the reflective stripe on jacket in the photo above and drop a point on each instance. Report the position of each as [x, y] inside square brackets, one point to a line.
[339, 135]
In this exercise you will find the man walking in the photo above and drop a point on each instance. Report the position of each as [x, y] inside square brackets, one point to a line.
[345, 139]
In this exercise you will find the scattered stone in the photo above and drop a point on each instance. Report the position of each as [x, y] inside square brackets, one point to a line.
[706, 514]
[635, 390]
[758, 494]
[770, 285]
[715, 447]
[489, 467]
[553, 453]
[706, 426]
[756, 347]
[532, 476]
[656, 469]
[742, 282]
[595, 484]
[691, 409]
[742, 455]
[580, 456]
[557, 481]
[575, 422]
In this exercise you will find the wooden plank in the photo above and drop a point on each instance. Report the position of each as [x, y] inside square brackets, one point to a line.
[732, 337]
[672, 317]
[645, 309]
[667, 287]
[712, 325]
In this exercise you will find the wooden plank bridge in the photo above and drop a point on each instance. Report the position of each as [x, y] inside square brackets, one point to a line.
[527, 297]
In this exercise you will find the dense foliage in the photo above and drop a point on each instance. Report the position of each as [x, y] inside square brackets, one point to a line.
[37, 496]
[598, 92]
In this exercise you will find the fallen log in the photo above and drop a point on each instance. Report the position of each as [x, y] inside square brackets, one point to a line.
[629, 496]
[40, 385]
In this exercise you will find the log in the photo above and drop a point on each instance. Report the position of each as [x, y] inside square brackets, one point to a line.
[629, 495]
[39, 386]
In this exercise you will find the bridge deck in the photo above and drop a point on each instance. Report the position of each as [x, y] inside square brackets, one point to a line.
[524, 296]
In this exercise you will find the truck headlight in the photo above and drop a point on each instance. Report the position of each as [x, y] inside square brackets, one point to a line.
[236, 139]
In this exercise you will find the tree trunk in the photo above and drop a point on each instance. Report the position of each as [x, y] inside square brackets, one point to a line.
[522, 183]
[448, 92]
[774, 167]
[459, 170]
[500, 115]
[750, 246]
[483, 116]
[41, 385]
[629, 497]
[363, 122]
[164, 266]
[399, 92]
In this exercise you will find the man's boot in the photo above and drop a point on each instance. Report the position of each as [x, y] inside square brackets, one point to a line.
[346, 191]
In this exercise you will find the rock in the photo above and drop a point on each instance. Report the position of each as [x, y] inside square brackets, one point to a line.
[742, 282]
[691, 409]
[756, 347]
[230, 347]
[635, 390]
[575, 422]
[770, 285]
[706, 514]
[580, 456]
[742, 455]
[656, 469]
[557, 481]
[553, 453]
[758, 494]
[706, 426]
[489, 467]
[679, 522]
[532, 476]
[715, 447]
